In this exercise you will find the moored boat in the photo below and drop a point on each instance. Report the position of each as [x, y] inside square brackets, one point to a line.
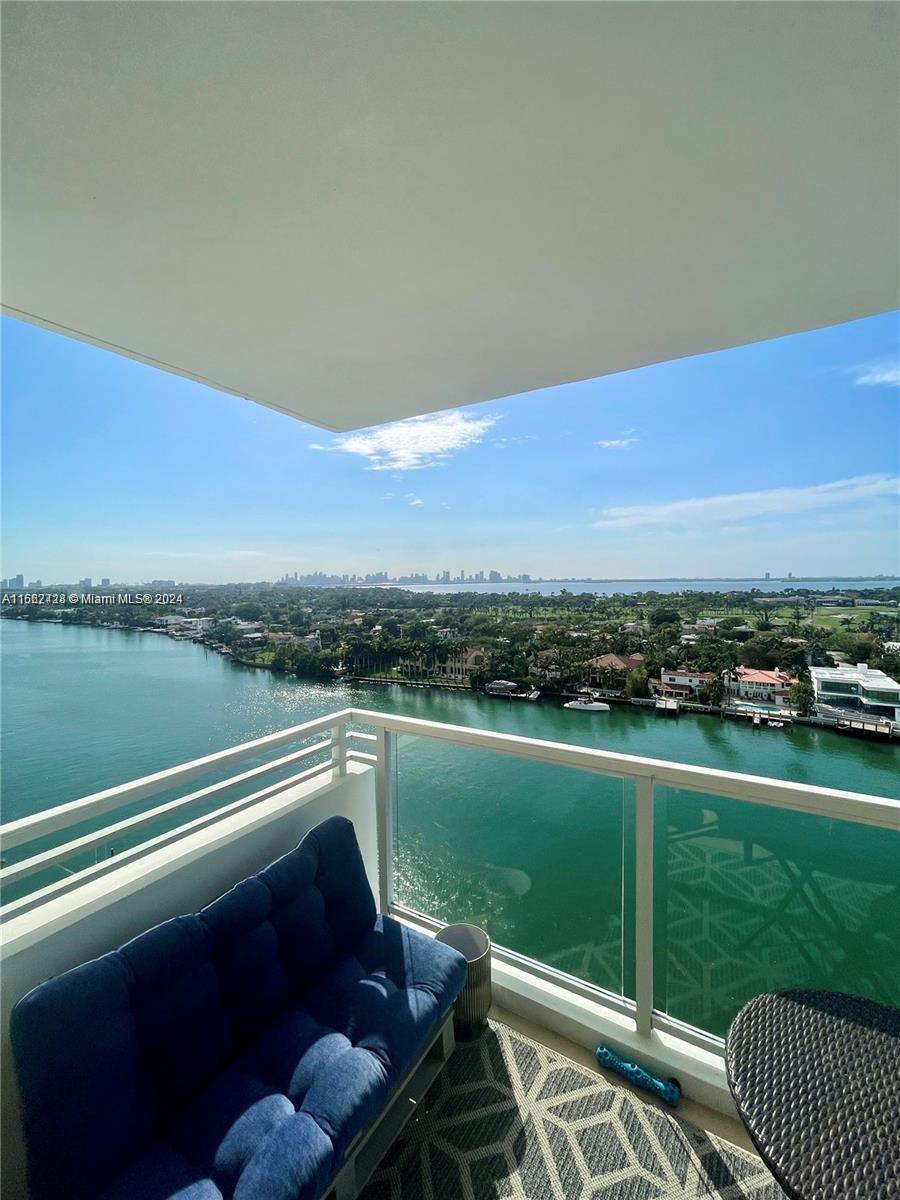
[587, 704]
[511, 691]
[501, 687]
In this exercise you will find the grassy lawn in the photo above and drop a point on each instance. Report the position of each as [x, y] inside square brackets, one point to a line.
[827, 617]
[830, 618]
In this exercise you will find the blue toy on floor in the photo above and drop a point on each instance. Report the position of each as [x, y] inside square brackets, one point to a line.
[667, 1089]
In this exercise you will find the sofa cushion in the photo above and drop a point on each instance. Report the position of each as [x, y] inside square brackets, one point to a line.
[333, 1057]
[228, 1054]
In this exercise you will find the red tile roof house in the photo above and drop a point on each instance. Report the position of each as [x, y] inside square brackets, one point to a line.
[621, 663]
[680, 681]
[766, 687]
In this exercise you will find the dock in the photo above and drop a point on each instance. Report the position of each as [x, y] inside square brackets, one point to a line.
[777, 720]
[863, 728]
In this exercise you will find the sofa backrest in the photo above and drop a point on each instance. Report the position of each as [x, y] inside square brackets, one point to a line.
[108, 1050]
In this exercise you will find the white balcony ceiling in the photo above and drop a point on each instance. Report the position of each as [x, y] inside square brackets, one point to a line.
[354, 213]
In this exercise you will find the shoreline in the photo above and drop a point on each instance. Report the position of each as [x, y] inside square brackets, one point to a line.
[721, 712]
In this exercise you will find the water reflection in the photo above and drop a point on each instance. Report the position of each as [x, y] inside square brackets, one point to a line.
[752, 899]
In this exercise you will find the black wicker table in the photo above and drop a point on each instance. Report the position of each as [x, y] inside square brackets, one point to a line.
[816, 1080]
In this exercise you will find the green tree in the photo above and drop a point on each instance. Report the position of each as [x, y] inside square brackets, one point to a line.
[762, 651]
[250, 610]
[802, 698]
[636, 684]
[664, 616]
[712, 692]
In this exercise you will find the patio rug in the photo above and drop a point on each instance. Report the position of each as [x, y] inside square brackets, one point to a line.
[510, 1120]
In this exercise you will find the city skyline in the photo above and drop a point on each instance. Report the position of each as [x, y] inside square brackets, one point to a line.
[777, 456]
[20, 582]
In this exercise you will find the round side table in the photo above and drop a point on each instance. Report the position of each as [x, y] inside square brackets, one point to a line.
[816, 1080]
[474, 1001]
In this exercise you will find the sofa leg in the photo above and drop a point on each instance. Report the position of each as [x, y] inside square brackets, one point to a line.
[345, 1187]
[447, 1041]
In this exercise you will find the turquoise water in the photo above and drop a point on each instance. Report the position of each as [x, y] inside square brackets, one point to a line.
[747, 898]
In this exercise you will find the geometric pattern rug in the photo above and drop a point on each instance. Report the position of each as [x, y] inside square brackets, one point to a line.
[508, 1119]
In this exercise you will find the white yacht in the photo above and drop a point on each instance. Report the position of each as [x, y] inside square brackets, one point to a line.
[587, 704]
[501, 687]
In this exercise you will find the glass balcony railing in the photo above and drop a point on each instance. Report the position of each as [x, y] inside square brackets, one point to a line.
[531, 851]
[671, 894]
[750, 898]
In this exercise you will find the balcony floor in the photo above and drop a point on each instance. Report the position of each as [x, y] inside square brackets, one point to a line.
[522, 1115]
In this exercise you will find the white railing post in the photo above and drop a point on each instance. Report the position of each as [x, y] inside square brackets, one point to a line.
[339, 746]
[384, 816]
[643, 904]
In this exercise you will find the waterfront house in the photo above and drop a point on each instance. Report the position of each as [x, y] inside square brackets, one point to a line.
[857, 687]
[459, 666]
[605, 666]
[253, 641]
[763, 687]
[357, 214]
[680, 682]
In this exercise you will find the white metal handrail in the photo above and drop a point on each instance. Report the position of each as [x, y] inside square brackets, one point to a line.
[646, 773]
[171, 837]
[380, 753]
[757, 789]
[38, 862]
[28, 829]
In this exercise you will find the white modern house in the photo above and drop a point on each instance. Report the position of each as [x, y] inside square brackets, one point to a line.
[859, 687]
[357, 214]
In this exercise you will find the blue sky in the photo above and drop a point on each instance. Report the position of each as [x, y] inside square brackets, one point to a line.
[778, 457]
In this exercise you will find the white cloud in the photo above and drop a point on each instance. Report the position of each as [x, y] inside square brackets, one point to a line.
[414, 501]
[884, 374]
[414, 443]
[623, 443]
[740, 506]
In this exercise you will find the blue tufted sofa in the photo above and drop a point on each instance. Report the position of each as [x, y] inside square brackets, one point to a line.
[235, 1053]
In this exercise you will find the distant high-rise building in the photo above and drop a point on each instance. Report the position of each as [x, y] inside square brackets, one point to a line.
[495, 577]
[767, 575]
[34, 583]
[104, 582]
[85, 583]
[445, 577]
[17, 581]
